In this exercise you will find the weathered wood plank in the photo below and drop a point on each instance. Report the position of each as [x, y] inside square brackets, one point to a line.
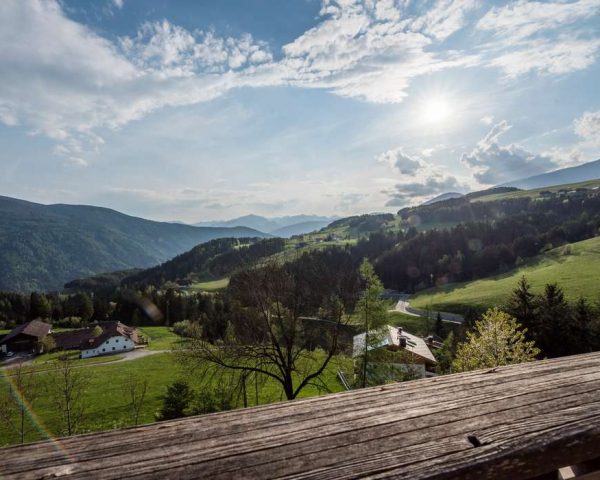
[528, 419]
[353, 415]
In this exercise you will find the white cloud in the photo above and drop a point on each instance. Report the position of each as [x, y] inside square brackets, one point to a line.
[420, 179]
[64, 81]
[174, 51]
[541, 37]
[492, 163]
[405, 164]
[118, 3]
[522, 19]
[588, 127]
[556, 56]
[487, 119]
[372, 50]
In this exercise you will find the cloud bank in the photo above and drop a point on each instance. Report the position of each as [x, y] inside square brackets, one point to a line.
[62, 80]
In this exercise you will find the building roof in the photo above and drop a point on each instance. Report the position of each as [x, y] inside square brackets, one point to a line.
[111, 329]
[84, 338]
[72, 340]
[391, 337]
[34, 328]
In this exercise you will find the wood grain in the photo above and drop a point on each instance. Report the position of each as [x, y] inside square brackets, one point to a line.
[525, 420]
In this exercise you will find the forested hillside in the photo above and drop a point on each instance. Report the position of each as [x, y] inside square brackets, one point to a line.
[208, 261]
[574, 267]
[44, 246]
[488, 238]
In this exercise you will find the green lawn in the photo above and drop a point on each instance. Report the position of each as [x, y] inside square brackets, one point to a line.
[210, 286]
[161, 338]
[574, 267]
[49, 360]
[107, 401]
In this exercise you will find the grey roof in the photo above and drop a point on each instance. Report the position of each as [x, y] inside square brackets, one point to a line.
[391, 337]
[34, 328]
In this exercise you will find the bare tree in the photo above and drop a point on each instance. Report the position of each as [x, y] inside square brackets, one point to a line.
[20, 395]
[137, 389]
[66, 389]
[288, 326]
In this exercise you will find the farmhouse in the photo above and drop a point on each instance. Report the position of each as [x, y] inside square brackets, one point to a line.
[413, 353]
[25, 337]
[110, 337]
[115, 337]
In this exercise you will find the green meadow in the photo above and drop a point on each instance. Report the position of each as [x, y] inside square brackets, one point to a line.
[574, 267]
[106, 395]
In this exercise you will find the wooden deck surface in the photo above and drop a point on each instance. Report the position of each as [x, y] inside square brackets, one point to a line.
[514, 423]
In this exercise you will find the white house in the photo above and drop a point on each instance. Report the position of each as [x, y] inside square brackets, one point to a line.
[115, 337]
[420, 359]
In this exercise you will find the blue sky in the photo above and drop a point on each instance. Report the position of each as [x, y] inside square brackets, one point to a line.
[198, 110]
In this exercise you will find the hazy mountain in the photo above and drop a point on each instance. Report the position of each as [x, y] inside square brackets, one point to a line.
[303, 223]
[45, 246]
[443, 196]
[300, 228]
[581, 173]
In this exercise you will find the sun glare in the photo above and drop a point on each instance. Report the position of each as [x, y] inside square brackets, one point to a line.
[436, 110]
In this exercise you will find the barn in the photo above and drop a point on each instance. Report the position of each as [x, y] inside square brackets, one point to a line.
[25, 337]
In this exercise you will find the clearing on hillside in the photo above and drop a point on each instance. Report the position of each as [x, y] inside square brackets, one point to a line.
[574, 267]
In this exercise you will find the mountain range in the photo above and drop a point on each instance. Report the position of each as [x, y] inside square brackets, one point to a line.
[278, 226]
[45, 246]
[580, 173]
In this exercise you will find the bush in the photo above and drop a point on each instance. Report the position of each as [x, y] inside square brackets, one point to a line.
[185, 328]
[68, 322]
[176, 402]
[213, 401]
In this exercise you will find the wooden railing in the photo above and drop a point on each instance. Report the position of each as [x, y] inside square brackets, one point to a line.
[518, 422]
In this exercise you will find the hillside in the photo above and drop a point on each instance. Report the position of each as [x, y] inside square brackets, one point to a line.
[207, 262]
[574, 267]
[44, 246]
[580, 173]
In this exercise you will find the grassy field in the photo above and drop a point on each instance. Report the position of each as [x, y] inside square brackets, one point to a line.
[161, 338]
[49, 360]
[536, 192]
[209, 286]
[106, 396]
[574, 267]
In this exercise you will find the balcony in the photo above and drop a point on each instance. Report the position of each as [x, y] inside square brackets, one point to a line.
[536, 420]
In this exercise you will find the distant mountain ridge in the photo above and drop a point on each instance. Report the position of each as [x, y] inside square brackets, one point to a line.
[443, 197]
[45, 246]
[279, 226]
[580, 173]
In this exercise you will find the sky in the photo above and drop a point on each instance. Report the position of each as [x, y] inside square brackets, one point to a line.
[204, 110]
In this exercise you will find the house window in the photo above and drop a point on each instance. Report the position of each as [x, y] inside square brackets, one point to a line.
[117, 340]
[124, 346]
[113, 348]
[104, 350]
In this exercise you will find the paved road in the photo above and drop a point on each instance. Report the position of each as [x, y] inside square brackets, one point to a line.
[403, 306]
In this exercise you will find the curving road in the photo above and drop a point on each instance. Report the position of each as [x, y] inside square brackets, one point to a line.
[403, 306]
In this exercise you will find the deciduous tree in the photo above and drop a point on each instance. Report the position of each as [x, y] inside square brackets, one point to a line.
[66, 389]
[371, 312]
[20, 395]
[496, 340]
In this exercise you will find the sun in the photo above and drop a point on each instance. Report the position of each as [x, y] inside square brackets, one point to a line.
[436, 110]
